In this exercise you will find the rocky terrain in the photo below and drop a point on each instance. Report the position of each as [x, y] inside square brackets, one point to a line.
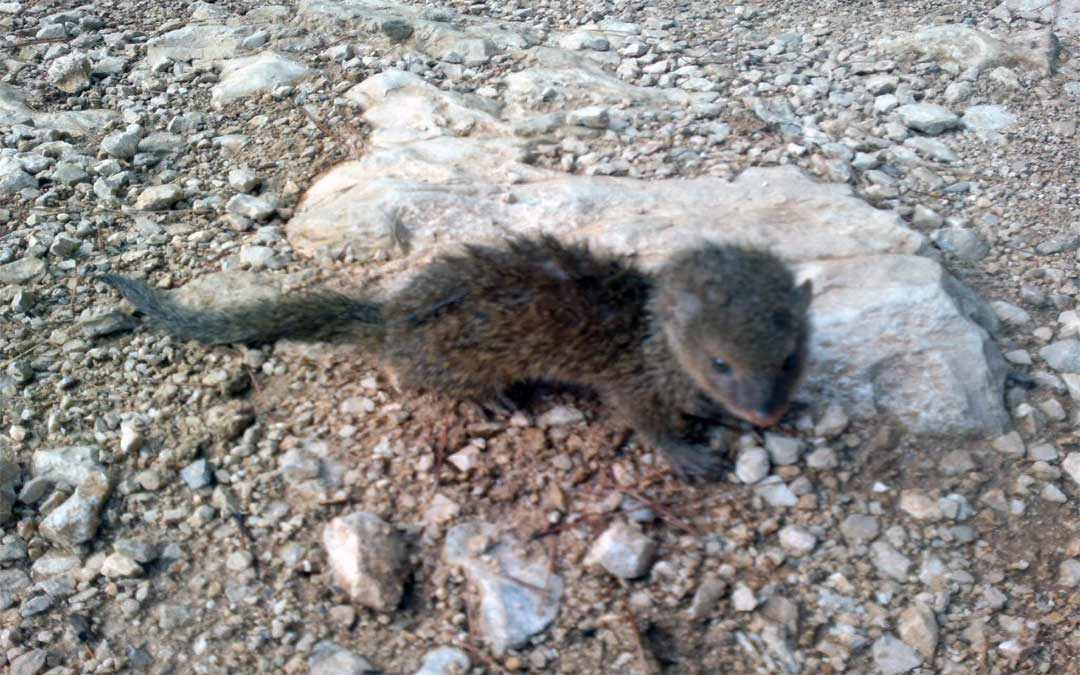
[171, 508]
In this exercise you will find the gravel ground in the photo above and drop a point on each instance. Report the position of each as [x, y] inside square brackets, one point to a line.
[166, 507]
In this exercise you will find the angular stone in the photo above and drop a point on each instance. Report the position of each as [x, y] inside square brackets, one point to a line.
[1063, 355]
[797, 540]
[367, 559]
[517, 597]
[255, 74]
[76, 520]
[328, 658]
[928, 118]
[70, 73]
[194, 43]
[159, 197]
[918, 627]
[752, 465]
[894, 657]
[974, 49]
[27, 268]
[445, 661]
[623, 551]
[889, 561]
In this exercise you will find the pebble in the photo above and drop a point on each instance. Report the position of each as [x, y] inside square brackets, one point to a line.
[777, 493]
[445, 661]
[918, 627]
[859, 528]
[519, 593]
[367, 559]
[123, 144]
[70, 73]
[1071, 466]
[783, 450]
[328, 658]
[893, 657]
[560, 416]
[1063, 355]
[622, 551]
[118, 565]
[1010, 313]
[797, 540]
[919, 505]
[253, 208]
[929, 118]
[31, 662]
[743, 598]
[158, 197]
[198, 474]
[76, 520]
[752, 465]
[889, 561]
[243, 180]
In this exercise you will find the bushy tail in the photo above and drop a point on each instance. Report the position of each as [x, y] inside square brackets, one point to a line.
[304, 315]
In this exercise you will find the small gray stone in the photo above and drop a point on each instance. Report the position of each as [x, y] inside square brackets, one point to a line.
[162, 143]
[776, 492]
[894, 657]
[623, 551]
[159, 197]
[118, 565]
[198, 474]
[76, 520]
[38, 604]
[593, 117]
[560, 416]
[1010, 444]
[1063, 355]
[328, 658]
[889, 561]
[918, 627]
[929, 118]
[919, 505]
[445, 661]
[243, 180]
[797, 540]
[367, 559]
[1069, 573]
[123, 144]
[859, 528]
[13, 178]
[783, 450]
[398, 30]
[1010, 313]
[752, 465]
[248, 206]
[22, 270]
[68, 173]
[925, 217]
[965, 244]
[706, 597]
[1071, 465]
[29, 663]
[743, 598]
[822, 458]
[70, 73]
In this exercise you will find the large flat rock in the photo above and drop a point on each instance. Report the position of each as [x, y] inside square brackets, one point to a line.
[895, 333]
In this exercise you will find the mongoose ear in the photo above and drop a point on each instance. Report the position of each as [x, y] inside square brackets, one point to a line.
[680, 307]
[804, 294]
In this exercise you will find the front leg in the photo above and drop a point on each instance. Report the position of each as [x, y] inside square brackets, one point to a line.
[659, 423]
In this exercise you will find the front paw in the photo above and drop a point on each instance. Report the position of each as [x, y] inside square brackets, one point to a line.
[694, 463]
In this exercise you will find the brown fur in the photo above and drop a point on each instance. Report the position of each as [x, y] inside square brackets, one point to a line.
[472, 325]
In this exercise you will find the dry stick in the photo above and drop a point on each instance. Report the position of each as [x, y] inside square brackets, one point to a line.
[662, 511]
[639, 646]
[35, 41]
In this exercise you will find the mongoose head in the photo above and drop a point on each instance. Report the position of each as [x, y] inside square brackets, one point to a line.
[736, 322]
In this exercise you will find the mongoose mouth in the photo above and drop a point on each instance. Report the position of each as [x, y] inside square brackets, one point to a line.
[761, 420]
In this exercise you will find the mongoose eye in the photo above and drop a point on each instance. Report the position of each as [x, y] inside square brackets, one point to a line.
[721, 366]
[790, 363]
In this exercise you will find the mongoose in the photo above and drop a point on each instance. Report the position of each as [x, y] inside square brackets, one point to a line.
[723, 325]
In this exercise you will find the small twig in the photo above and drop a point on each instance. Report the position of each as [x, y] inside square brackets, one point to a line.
[34, 41]
[249, 540]
[483, 658]
[662, 511]
[635, 633]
